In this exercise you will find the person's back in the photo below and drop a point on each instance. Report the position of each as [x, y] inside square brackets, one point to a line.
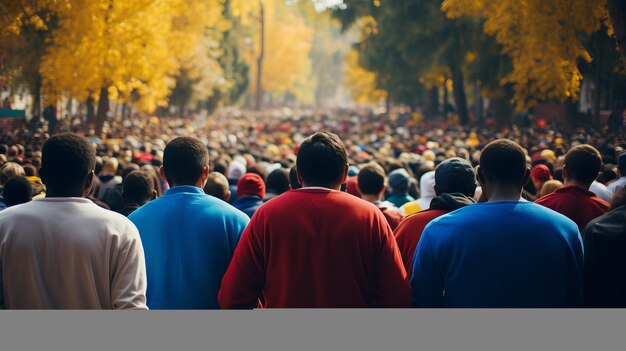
[63, 251]
[605, 262]
[317, 246]
[188, 236]
[502, 253]
[574, 200]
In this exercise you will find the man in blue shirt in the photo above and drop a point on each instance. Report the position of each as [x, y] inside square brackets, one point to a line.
[502, 253]
[188, 237]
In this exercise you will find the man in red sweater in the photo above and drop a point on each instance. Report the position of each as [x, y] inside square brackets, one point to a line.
[455, 184]
[317, 246]
[574, 200]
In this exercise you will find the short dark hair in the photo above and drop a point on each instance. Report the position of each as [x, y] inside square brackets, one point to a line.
[137, 187]
[217, 185]
[66, 161]
[184, 159]
[371, 179]
[4, 149]
[220, 167]
[322, 159]
[583, 163]
[503, 161]
[30, 170]
[278, 181]
[17, 191]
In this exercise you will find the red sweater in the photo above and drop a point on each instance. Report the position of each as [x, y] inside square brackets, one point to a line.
[576, 203]
[316, 248]
[409, 232]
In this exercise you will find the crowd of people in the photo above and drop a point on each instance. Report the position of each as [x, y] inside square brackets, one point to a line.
[294, 209]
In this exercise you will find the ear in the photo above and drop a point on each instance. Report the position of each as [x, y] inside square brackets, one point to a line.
[88, 184]
[154, 195]
[382, 191]
[299, 176]
[480, 177]
[345, 174]
[227, 196]
[526, 177]
[42, 175]
[204, 176]
[565, 175]
[162, 173]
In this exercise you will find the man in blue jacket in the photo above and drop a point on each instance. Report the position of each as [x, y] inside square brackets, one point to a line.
[188, 237]
[503, 253]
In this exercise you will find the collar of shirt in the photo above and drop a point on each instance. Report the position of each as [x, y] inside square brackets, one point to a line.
[574, 189]
[184, 189]
[316, 188]
[64, 199]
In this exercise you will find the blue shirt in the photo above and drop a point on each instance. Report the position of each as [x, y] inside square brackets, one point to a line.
[499, 254]
[188, 239]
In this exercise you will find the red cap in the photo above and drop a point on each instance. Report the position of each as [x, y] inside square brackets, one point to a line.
[352, 187]
[541, 173]
[251, 184]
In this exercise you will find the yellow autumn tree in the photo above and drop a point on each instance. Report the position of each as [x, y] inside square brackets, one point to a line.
[361, 82]
[286, 65]
[118, 49]
[542, 39]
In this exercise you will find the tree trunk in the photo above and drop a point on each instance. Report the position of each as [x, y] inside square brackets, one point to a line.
[432, 102]
[617, 12]
[259, 73]
[459, 94]
[388, 105]
[103, 110]
[597, 97]
[444, 107]
[36, 110]
[90, 121]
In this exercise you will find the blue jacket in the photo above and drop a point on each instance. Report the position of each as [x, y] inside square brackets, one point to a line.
[499, 254]
[248, 204]
[188, 239]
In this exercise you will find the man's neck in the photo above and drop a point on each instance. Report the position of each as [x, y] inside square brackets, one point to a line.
[504, 194]
[371, 198]
[572, 182]
[54, 193]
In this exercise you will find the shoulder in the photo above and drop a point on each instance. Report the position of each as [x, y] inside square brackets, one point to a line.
[617, 215]
[601, 203]
[547, 199]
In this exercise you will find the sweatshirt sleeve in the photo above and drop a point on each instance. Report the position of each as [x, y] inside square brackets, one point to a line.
[129, 283]
[426, 281]
[244, 278]
[391, 285]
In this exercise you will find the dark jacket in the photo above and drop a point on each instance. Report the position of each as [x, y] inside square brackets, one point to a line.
[248, 204]
[605, 260]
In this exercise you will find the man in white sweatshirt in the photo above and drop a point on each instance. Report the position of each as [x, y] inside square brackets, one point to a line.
[63, 251]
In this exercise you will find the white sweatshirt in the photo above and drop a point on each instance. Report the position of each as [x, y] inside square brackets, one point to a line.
[68, 253]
